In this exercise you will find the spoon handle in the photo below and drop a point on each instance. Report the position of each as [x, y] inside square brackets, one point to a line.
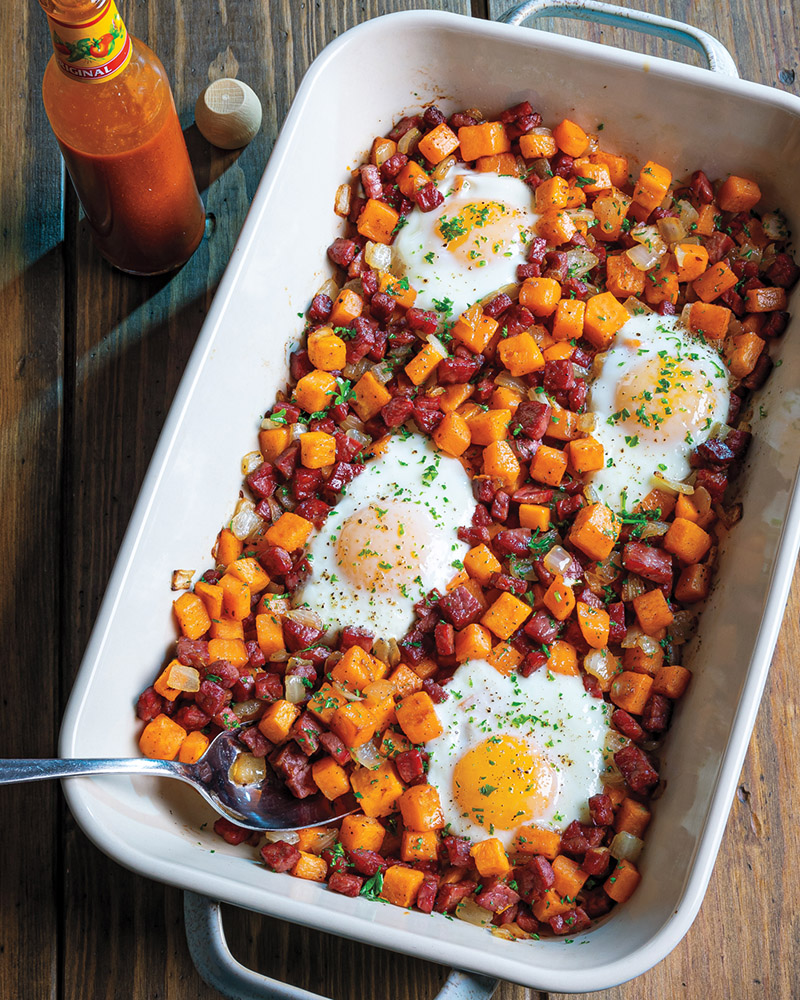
[14, 771]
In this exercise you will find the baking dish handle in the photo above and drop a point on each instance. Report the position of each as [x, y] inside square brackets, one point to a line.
[217, 966]
[719, 59]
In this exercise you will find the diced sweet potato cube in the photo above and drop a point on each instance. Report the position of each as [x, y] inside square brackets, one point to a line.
[419, 846]
[453, 435]
[559, 599]
[398, 288]
[556, 227]
[714, 282]
[738, 194]
[330, 778]
[290, 532]
[594, 624]
[617, 166]
[652, 611]
[622, 277]
[193, 748]
[490, 858]
[273, 442]
[423, 364]
[691, 260]
[632, 817]
[586, 455]
[369, 396]
[377, 221]
[235, 597]
[162, 683]
[651, 186]
[401, 885]
[412, 178]
[709, 320]
[604, 316]
[269, 633]
[595, 530]
[686, 540]
[162, 738]
[416, 716]
[473, 329]
[548, 465]
[552, 193]
[317, 449]
[534, 515]
[361, 833]
[250, 571]
[405, 680]
[377, 791]
[671, 681]
[500, 462]
[454, 395]
[211, 595]
[353, 723]
[356, 670]
[563, 659]
[277, 720]
[630, 691]
[228, 547]
[537, 840]
[568, 320]
[232, 650]
[489, 425]
[520, 354]
[480, 563]
[570, 138]
[486, 139]
[621, 884]
[311, 867]
[569, 877]
[438, 143]
[504, 658]
[534, 146]
[192, 615]
[551, 905]
[593, 176]
[473, 643]
[506, 615]
[421, 808]
[315, 391]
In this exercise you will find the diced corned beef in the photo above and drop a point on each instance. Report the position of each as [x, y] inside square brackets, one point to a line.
[280, 856]
[542, 628]
[391, 168]
[500, 506]
[210, 698]
[461, 120]
[592, 685]
[342, 252]
[299, 636]
[497, 305]
[356, 635]
[449, 896]
[627, 725]
[149, 705]
[713, 480]
[525, 919]
[596, 860]
[371, 180]
[573, 842]
[243, 689]
[456, 850]
[534, 879]
[701, 188]
[561, 164]
[759, 375]
[433, 116]
[617, 626]
[715, 452]
[412, 648]
[516, 319]
[410, 765]
[301, 783]
[460, 607]
[427, 413]
[192, 652]
[268, 687]
[636, 769]
[528, 270]
[306, 482]
[458, 369]
[256, 741]
[587, 597]
[738, 441]
[444, 635]
[344, 884]
[261, 481]
[321, 307]
[189, 717]
[223, 672]
[595, 902]
[533, 661]
[648, 562]
[382, 305]
[571, 922]
[783, 272]
[429, 197]
[532, 493]
[306, 733]
[576, 397]
[397, 411]
[275, 560]
[473, 536]
[334, 746]
[513, 541]
[299, 365]
[558, 376]
[286, 463]
[717, 245]
[366, 862]
[569, 506]
[496, 896]
[424, 321]
[426, 895]
[435, 692]
[403, 126]
[230, 832]
[601, 809]
[532, 418]
[656, 714]
[358, 263]
[509, 584]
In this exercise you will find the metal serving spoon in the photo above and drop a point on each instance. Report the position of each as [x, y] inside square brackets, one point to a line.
[263, 806]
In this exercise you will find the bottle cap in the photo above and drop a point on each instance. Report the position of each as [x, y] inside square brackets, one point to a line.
[228, 113]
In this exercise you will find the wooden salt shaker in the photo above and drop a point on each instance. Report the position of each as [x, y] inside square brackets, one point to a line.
[228, 113]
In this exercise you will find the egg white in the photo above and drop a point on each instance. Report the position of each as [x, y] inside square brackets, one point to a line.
[390, 540]
[496, 214]
[551, 712]
[687, 385]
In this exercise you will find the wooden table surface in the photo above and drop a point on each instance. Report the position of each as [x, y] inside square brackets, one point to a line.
[89, 362]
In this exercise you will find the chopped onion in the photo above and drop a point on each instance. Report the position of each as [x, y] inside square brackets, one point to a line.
[592, 496]
[182, 579]
[408, 142]
[382, 372]
[436, 344]
[686, 315]
[557, 561]
[285, 836]
[673, 484]
[387, 651]
[248, 711]
[636, 307]
[671, 230]
[341, 204]
[378, 690]
[367, 756]
[728, 515]
[354, 372]
[632, 586]
[251, 461]
[296, 691]
[245, 520]
[615, 741]
[469, 911]
[682, 627]
[687, 213]
[626, 847]
[382, 149]
[644, 257]
[602, 664]
[511, 382]
[581, 215]
[443, 168]
[363, 439]
[774, 226]
[653, 529]
[325, 838]
[248, 770]
[279, 656]
[750, 252]
[352, 423]
[329, 288]
[378, 255]
[297, 430]
[333, 659]
[181, 678]
[587, 422]
[305, 616]
[580, 261]
[541, 167]
[636, 637]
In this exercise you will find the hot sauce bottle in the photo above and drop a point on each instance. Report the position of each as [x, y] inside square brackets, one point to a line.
[110, 105]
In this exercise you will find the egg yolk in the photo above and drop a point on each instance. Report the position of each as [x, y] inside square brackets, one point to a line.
[479, 230]
[503, 782]
[664, 398]
[379, 548]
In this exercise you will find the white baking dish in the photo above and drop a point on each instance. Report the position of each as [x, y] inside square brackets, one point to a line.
[681, 116]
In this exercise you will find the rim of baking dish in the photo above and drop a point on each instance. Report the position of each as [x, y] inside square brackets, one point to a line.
[500, 962]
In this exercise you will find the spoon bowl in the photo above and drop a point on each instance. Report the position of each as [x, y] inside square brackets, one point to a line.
[265, 805]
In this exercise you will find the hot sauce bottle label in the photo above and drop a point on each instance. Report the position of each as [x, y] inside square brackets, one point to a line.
[96, 50]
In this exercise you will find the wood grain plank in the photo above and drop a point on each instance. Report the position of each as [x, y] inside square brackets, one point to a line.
[31, 306]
